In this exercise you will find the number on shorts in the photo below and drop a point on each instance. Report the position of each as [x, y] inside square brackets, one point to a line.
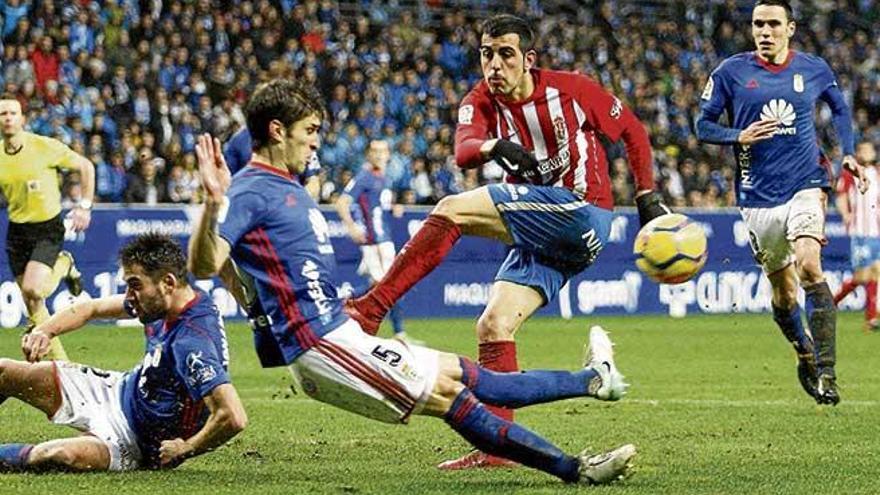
[387, 355]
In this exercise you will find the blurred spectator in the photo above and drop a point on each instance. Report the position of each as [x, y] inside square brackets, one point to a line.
[145, 185]
[155, 74]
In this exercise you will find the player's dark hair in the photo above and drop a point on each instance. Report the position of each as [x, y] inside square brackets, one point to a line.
[789, 13]
[284, 100]
[8, 96]
[157, 254]
[501, 24]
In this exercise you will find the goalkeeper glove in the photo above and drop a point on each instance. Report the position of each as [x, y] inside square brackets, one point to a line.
[651, 206]
[514, 159]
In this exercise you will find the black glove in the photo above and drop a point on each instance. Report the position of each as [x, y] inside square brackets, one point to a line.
[514, 159]
[651, 206]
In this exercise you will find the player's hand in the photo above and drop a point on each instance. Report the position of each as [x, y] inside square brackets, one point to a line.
[35, 345]
[650, 205]
[172, 450]
[357, 235]
[850, 163]
[514, 159]
[212, 168]
[80, 218]
[758, 131]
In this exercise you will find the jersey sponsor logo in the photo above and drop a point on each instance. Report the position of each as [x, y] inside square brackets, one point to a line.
[783, 112]
[798, 83]
[616, 108]
[744, 161]
[466, 114]
[315, 291]
[710, 87]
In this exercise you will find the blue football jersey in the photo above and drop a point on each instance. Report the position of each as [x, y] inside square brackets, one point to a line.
[185, 360]
[237, 152]
[279, 237]
[748, 89]
[370, 192]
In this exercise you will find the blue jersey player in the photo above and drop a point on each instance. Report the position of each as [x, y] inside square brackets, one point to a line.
[770, 98]
[275, 233]
[177, 403]
[365, 209]
[237, 152]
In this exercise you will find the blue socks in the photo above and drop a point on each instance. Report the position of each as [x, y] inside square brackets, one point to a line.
[515, 390]
[14, 455]
[792, 327]
[822, 315]
[501, 438]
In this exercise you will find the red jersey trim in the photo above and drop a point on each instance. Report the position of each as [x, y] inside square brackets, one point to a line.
[269, 168]
[776, 69]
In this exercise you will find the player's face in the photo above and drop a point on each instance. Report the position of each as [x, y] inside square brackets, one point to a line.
[378, 154]
[503, 62]
[771, 29]
[150, 299]
[11, 119]
[302, 141]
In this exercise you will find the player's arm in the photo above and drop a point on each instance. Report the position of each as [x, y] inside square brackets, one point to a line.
[343, 209]
[474, 147]
[841, 119]
[207, 250]
[606, 113]
[313, 187]
[844, 208]
[227, 419]
[232, 281]
[35, 345]
[715, 99]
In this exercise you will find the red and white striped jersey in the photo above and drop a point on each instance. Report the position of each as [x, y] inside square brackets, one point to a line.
[559, 123]
[864, 208]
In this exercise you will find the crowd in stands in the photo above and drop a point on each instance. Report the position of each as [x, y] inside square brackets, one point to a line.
[130, 84]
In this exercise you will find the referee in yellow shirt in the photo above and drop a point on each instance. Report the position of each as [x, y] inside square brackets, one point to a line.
[29, 166]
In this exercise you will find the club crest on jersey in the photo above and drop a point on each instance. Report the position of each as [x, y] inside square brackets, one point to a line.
[466, 114]
[798, 83]
[559, 130]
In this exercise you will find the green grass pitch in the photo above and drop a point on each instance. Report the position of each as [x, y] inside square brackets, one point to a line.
[714, 408]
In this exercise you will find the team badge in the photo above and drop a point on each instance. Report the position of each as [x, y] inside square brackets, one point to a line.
[466, 114]
[798, 83]
[559, 131]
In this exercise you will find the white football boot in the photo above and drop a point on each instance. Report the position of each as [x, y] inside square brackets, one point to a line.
[601, 469]
[609, 385]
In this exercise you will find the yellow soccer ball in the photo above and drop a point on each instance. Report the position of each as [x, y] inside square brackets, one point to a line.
[671, 249]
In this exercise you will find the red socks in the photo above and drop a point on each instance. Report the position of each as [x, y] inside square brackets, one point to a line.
[416, 260]
[499, 356]
[871, 300]
[845, 288]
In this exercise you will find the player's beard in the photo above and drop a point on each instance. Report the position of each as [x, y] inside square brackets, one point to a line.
[150, 310]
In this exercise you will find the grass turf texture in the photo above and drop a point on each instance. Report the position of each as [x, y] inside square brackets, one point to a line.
[714, 407]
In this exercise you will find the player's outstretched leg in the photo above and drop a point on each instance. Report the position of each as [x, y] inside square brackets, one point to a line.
[871, 305]
[502, 438]
[85, 453]
[599, 379]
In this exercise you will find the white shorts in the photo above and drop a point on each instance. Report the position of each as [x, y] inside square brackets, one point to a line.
[382, 379]
[376, 259]
[91, 402]
[773, 230]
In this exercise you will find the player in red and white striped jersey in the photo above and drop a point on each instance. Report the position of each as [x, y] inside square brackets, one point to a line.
[542, 127]
[861, 214]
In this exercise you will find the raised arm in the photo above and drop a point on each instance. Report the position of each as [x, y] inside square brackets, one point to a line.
[207, 250]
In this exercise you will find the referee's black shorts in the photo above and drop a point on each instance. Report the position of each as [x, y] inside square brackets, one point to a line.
[40, 241]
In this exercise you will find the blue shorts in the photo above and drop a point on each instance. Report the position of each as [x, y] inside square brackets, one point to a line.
[864, 251]
[555, 235]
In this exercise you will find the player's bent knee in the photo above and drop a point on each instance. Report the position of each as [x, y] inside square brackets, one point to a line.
[31, 293]
[492, 327]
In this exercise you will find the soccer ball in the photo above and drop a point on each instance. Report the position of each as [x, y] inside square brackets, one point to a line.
[670, 249]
